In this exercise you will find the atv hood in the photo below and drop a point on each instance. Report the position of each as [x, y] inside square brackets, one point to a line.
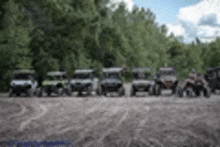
[21, 82]
[83, 81]
[145, 82]
[111, 81]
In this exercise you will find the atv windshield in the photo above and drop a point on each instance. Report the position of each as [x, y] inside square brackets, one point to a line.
[55, 77]
[23, 76]
[113, 75]
[141, 75]
[82, 76]
[164, 73]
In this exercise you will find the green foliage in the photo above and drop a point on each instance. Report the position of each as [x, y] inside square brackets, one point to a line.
[51, 35]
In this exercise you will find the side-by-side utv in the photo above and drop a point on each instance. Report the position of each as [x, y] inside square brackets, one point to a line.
[112, 81]
[142, 80]
[166, 78]
[23, 82]
[85, 80]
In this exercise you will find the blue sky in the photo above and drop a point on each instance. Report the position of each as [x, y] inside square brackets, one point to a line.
[166, 11]
[186, 18]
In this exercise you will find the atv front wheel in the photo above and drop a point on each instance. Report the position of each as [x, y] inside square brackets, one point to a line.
[121, 92]
[189, 92]
[89, 91]
[48, 93]
[174, 90]
[29, 92]
[157, 90]
[151, 90]
[18, 94]
[133, 92]
[207, 92]
[10, 93]
[60, 91]
[40, 93]
[180, 92]
[197, 92]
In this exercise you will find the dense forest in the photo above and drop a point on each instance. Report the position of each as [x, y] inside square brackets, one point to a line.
[49, 35]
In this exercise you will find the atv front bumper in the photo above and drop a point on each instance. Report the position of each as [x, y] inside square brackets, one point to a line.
[20, 88]
[141, 87]
[112, 87]
[80, 87]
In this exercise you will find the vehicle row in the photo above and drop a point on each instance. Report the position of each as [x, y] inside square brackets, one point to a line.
[86, 81]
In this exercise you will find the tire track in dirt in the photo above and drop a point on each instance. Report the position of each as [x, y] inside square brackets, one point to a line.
[98, 126]
[43, 110]
[23, 110]
[97, 121]
[124, 117]
[190, 134]
[61, 128]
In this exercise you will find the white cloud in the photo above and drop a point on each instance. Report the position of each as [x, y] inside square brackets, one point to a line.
[208, 31]
[200, 20]
[177, 30]
[129, 3]
[196, 12]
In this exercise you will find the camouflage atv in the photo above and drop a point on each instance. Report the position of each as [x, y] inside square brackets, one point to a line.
[55, 82]
[112, 81]
[85, 80]
[194, 87]
[142, 80]
[24, 81]
[166, 78]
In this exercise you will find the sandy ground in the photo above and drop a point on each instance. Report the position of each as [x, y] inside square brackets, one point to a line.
[113, 121]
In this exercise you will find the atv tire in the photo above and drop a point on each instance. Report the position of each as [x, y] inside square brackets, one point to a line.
[60, 91]
[18, 94]
[49, 93]
[213, 90]
[151, 90]
[180, 92]
[10, 93]
[89, 91]
[207, 92]
[122, 92]
[189, 92]
[40, 93]
[174, 90]
[133, 92]
[157, 90]
[29, 92]
[197, 92]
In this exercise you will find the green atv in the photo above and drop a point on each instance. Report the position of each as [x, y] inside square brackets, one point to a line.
[55, 82]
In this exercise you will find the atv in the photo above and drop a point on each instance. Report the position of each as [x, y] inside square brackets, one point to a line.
[166, 78]
[194, 87]
[142, 80]
[112, 81]
[55, 82]
[23, 82]
[85, 80]
[213, 78]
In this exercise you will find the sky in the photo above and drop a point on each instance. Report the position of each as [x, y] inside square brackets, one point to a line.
[187, 18]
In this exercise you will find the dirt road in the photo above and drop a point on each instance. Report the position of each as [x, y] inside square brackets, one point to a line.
[113, 121]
